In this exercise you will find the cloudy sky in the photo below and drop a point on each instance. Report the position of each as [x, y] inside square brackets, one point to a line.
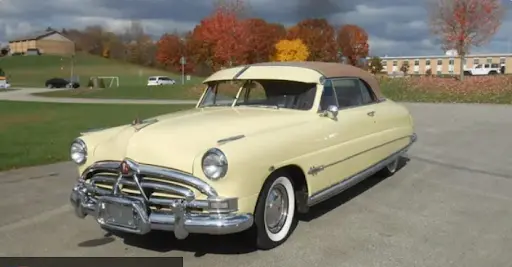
[395, 27]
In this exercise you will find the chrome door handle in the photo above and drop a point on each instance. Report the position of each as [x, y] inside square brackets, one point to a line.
[371, 113]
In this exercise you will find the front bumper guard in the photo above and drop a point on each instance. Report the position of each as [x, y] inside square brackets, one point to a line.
[133, 216]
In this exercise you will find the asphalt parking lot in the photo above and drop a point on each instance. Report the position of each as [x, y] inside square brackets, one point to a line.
[449, 206]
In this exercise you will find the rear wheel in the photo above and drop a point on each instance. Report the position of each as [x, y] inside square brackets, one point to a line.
[49, 86]
[391, 168]
[275, 212]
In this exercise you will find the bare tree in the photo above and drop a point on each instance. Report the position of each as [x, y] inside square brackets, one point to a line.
[240, 8]
[461, 24]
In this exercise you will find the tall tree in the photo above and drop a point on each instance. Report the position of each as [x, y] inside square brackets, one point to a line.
[262, 39]
[170, 49]
[353, 43]
[291, 50]
[200, 53]
[460, 24]
[375, 65]
[239, 8]
[404, 68]
[319, 37]
[140, 48]
[225, 36]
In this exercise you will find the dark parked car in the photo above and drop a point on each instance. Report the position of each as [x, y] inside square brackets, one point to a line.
[61, 83]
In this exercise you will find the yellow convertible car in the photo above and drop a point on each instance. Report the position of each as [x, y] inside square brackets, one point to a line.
[264, 143]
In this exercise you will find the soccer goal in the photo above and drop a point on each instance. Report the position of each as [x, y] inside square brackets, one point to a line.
[114, 80]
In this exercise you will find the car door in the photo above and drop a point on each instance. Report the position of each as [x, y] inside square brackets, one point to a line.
[326, 133]
[358, 129]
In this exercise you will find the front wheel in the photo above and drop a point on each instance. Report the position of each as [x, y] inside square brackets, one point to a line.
[275, 212]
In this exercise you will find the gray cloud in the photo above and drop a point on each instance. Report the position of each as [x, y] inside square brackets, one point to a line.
[395, 27]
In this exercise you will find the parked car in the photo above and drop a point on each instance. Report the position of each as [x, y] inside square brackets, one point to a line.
[160, 80]
[483, 69]
[61, 83]
[296, 135]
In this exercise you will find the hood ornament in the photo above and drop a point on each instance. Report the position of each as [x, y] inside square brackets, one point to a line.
[137, 121]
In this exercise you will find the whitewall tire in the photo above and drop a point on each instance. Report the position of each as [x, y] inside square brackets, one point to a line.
[275, 216]
[392, 167]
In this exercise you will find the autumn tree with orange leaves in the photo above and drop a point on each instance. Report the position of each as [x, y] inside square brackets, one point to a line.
[222, 37]
[461, 24]
[170, 48]
[262, 39]
[353, 43]
[319, 37]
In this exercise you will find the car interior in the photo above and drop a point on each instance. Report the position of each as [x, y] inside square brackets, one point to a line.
[278, 93]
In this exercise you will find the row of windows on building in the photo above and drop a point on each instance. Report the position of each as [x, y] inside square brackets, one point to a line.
[476, 61]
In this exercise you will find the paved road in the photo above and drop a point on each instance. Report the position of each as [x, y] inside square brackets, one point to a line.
[25, 94]
[449, 206]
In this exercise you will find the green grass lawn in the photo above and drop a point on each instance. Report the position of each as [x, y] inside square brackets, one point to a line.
[177, 91]
[40, 133]
[33, 71]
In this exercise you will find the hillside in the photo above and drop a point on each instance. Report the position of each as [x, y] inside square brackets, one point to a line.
[33, 71]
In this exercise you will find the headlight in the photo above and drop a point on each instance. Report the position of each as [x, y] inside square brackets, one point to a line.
[78, 151]
[215, 164]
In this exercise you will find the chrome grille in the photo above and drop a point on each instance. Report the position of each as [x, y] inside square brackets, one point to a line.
[159, 187]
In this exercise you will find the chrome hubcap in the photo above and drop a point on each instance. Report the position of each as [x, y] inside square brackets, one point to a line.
[276, 208]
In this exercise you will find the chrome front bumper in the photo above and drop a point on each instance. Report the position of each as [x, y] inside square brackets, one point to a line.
[116, 211]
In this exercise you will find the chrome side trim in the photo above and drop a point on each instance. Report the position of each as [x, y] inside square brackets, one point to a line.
[92, 130]
[153, 172]
[353, 180]
[313, 170]
[229, 139]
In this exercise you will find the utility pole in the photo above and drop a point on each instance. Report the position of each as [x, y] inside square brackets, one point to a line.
[72, 68]
[183, 62]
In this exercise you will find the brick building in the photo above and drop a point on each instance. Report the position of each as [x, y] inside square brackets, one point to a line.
[48, 42]
[444, 64]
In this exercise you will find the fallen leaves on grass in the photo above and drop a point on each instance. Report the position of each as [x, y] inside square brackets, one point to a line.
[475, 89]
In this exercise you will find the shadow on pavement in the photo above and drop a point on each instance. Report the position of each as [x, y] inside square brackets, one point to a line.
[234, 244]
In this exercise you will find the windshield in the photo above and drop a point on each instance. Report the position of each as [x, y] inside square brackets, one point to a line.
[261, 94]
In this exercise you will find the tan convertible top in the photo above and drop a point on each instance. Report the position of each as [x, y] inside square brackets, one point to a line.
[304, 71]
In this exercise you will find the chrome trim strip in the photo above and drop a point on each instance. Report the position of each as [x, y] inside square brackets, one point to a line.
[229, 139]
[153, 172]
[92, 130]
[178, 190]
[241, 72]
[353, 180]
[313, 170]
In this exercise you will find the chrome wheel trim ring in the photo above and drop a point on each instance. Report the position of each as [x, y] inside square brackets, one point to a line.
[276, 208]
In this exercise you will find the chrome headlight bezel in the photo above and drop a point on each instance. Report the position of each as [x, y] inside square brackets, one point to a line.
[214, 164]
[78, 147]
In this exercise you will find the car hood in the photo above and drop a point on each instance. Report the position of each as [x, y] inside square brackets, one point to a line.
[176, 139]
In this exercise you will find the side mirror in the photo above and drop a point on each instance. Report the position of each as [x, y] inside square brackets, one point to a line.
[331, 112]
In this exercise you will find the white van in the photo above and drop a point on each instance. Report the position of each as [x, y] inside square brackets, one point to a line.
[160, 80]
